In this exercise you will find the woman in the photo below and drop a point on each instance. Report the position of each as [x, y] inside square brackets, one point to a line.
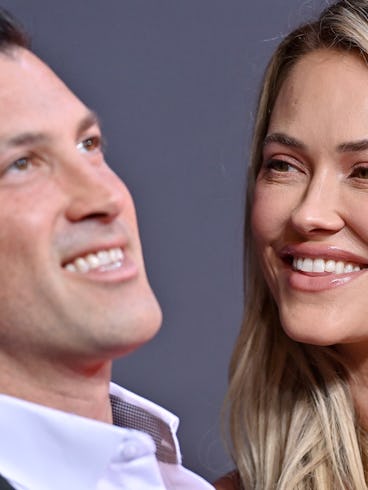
[298, 395]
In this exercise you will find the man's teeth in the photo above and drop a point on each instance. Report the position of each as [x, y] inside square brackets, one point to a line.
[321, 265]
[104, 259]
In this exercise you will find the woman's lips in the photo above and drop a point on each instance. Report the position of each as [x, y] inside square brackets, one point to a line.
[314, 268]
[324, 252]
[320, 265]
[312, 282]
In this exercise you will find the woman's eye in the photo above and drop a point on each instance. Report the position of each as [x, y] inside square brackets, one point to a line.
[90, 144]
[280, 166]
[360, 173]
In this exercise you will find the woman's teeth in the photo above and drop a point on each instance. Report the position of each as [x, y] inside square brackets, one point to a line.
[104, 260]
[321, 265]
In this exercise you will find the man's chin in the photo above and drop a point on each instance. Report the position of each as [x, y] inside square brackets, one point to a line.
[141, 329]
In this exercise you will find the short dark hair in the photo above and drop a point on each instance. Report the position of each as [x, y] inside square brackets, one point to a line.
[12, 33]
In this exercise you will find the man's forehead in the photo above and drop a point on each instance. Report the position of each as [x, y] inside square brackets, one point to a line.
[21, 60]
[34, 100]
[25, 77]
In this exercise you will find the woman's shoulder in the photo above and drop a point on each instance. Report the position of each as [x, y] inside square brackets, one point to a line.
[228, 482]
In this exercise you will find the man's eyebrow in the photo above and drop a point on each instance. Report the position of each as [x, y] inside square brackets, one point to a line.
[89, 120]
[285, 140]
[353, 146]
[30, 138]
[23, 139]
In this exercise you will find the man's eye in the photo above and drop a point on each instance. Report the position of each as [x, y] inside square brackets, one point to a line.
[21, 164]
[90, 144]
[360, 173]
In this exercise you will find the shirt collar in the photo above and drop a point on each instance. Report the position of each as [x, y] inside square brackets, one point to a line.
[134, 412]
[66, 439]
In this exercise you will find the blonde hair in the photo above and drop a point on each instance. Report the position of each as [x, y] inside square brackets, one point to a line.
[291, 414]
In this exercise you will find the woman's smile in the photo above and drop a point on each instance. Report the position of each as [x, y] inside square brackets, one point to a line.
[310, 267]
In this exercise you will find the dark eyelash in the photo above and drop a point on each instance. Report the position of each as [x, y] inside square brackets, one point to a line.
[356, 170]
[274, 162]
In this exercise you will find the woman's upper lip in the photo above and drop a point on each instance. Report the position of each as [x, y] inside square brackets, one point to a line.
[318, 250]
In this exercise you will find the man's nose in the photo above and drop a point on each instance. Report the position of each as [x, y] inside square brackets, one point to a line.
[93, 191]
[319, 209]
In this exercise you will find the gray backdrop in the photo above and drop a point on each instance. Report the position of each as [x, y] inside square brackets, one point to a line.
[175, 83]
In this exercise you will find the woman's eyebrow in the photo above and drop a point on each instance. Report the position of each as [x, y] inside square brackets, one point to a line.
[283, 139]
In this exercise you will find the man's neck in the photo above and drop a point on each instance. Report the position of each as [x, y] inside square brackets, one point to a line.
[80, 390]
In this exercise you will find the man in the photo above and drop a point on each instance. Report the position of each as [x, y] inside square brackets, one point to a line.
[73, 296]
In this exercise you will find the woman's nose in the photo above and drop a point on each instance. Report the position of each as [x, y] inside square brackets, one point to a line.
[319, 209]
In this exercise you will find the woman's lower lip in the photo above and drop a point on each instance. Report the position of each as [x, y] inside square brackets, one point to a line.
[313, 282]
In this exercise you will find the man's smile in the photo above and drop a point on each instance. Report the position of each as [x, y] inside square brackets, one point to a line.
[103, 260]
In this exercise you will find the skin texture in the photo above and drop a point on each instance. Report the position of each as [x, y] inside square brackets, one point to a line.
[316, 195]
[60, 330]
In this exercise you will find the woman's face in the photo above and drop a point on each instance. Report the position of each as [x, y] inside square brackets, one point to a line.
[310, 212]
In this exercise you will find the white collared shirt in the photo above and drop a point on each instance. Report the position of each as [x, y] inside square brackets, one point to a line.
[46, 449]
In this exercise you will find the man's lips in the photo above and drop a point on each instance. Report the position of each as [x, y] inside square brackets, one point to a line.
[103, 260]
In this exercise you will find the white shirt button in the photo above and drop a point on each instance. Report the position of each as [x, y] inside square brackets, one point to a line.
[130, 451]
[134, 446]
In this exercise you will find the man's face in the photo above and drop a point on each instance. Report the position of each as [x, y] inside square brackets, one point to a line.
[72, 279]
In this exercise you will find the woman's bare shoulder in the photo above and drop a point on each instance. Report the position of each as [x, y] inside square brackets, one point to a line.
[228, 482]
